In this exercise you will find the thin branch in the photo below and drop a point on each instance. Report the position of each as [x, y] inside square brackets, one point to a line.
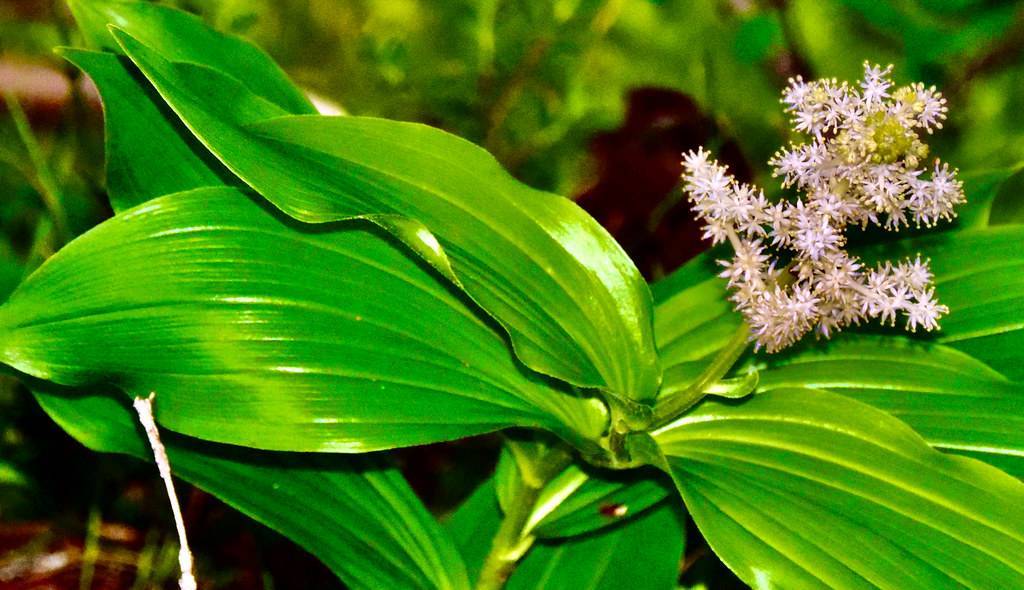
[144, 407]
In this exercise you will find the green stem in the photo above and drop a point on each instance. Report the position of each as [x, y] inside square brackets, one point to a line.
[672, 406]
[91, 550]
[44, 180]
[510, 543]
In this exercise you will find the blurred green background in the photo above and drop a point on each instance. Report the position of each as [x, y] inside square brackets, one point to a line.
[592, 99]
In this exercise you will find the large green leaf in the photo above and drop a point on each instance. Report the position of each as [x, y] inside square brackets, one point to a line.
[641, 553]
[355, 513]
[256, 330]
[149, 152]
[954, 401]
[574, 304]
[808, 489]
[183, 37]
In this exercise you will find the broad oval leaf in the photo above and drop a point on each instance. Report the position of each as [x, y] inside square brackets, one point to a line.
[355, 513]
[808, 489]
[574, 304]
[954, 401]
[256, 330]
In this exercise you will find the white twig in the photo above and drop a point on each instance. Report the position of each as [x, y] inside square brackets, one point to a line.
[144, 407]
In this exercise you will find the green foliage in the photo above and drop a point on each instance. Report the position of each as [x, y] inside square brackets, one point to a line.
[230, 313]
[183, 37]
[580, 499]
[332, 285]
[806, 489]
[977, 273]
[484, 234]
[954, 401]
[643, 555]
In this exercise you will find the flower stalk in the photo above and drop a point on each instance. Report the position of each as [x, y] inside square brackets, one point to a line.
[670, 407]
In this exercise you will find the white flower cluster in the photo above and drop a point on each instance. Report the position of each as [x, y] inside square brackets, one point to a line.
[860, 165]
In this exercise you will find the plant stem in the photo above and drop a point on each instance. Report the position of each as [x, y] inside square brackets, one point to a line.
[91, 550]
[510, 543]
[45, 182]
[672, 406]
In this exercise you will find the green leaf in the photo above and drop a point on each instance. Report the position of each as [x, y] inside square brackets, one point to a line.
[257, 330]
[808, 489]
[149, 152]
[355, 513]
[574, 304]
[641, 553]
[473, 526]
[954, 401]
[183, 37]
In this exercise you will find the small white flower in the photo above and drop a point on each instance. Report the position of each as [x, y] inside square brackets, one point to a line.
[925, 312]
[747, 266]
[916, 275]
[876, 83]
